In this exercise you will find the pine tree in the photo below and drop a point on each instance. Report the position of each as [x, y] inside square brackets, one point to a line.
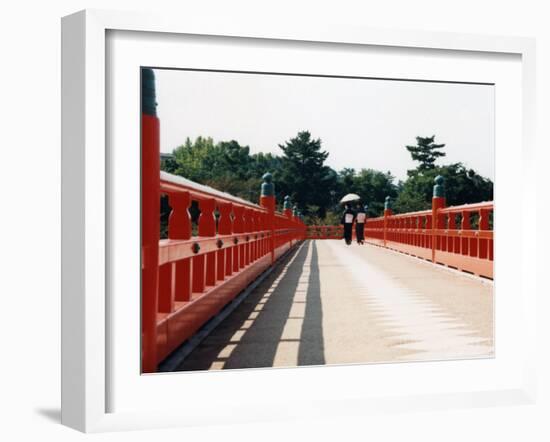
[426, 152]
[304, 175]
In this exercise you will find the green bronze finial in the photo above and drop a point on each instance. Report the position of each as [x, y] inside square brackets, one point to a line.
[439, 188]
[268, 188]
[387, 203]
[287, 204]
[148, 92]
[295, 210]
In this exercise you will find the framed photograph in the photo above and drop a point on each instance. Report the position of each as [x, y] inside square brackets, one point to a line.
[324, 218]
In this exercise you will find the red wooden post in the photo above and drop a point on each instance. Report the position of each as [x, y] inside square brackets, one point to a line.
[253, 235]
[167, 288]
[443, 239]
[429, 226]
[483, 226]
[238, 227]
[366, 221]
[267, 239]
[465, 225]
[179, 228]
[174, 277]
[262, 241]
[207, 227]
[387, 213]
[225, 227]
[473, 245]
[287, 210]
[418, 234]
[451, 246]
[248, 230]
[438, 202]
[150, 220]
[267, 200]
[276, 226]
[258, 223]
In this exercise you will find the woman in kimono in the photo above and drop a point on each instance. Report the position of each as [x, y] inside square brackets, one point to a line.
[347, 220]
[360, 218]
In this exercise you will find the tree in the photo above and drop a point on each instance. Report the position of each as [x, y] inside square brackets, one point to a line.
[462, 186]
[317, 189]
[266, 162]
[226, 166]
[194, 160]
[373, 186]
[426, 152]
[235, 160]
[304, 175]
[346, 181]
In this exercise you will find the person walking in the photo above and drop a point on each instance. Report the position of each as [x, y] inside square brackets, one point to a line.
[360, 219]
[347, 220]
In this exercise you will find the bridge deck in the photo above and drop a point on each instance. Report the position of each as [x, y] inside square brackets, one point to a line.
[329, 303]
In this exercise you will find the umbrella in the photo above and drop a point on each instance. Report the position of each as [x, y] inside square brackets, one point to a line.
[349, 198]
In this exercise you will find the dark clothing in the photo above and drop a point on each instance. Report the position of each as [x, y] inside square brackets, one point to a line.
[360, 219]
[347, 220]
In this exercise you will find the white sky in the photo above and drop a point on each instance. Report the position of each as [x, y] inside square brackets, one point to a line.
[362, 123]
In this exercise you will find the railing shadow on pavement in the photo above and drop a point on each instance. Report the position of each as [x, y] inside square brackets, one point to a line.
[242, 342]
[311, 349]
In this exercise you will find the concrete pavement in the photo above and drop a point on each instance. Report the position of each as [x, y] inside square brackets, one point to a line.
[329, 303]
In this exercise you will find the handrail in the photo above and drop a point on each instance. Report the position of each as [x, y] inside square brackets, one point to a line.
[175, 183]
[433, 234]
[199, 274]
[471, 207]
[408, 214]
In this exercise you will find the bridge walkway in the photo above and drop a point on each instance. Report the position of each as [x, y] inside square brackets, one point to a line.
[329, 303]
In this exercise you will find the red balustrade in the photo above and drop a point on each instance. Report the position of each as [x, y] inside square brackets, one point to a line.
[462, 245]
[443, 235]
[198, 275]
[187, 279]
[459, 237]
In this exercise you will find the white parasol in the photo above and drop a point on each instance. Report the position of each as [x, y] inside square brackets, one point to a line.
[349, 198]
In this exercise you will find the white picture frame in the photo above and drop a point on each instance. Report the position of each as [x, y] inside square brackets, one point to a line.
[86, 352]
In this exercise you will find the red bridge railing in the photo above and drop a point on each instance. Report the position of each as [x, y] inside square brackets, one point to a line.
[459, 236]
[198, 275]
[188, 278]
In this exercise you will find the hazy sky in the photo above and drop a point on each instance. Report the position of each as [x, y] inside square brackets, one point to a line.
[362, 123]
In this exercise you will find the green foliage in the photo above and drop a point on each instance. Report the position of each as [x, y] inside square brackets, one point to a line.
[371, 185]
[304, 175]
[226, 166]
[426, 152]
[331, 218]
[461, 187]
[316, 188]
